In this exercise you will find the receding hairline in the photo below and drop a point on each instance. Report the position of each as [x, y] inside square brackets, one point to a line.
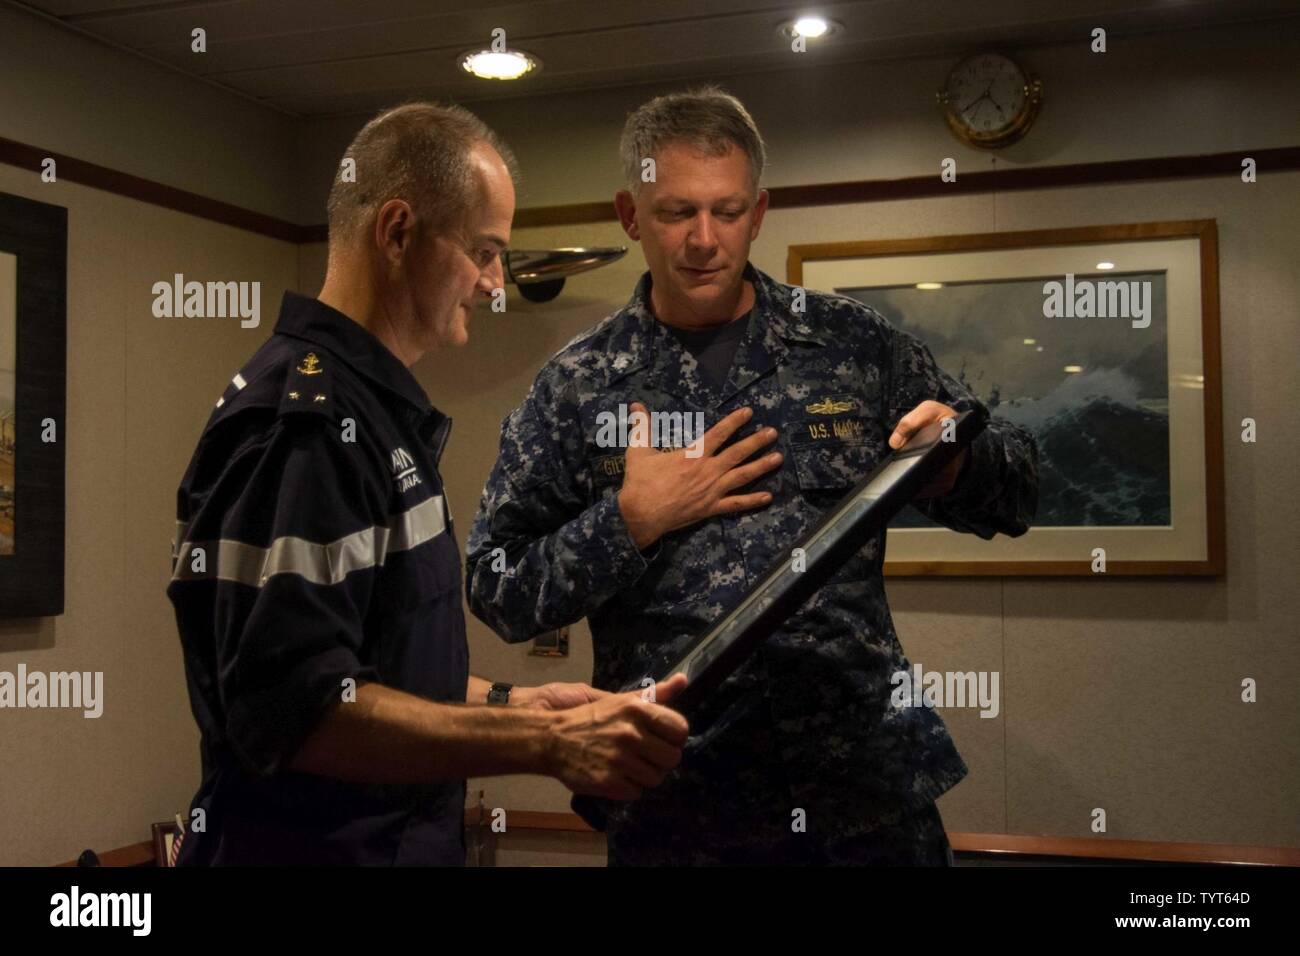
[438, 159]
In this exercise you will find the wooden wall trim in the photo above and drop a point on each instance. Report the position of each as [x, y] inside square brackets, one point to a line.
[71, 169]
[1002, 180]
[1099, 848]
[1040, 177]
[1096, 848]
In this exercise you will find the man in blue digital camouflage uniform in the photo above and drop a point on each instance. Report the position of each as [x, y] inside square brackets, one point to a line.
[800, 756]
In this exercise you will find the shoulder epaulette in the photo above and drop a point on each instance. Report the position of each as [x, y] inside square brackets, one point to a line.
[308, 386]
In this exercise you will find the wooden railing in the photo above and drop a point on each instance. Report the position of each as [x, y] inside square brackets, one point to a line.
[1003, 844]
[998, 844]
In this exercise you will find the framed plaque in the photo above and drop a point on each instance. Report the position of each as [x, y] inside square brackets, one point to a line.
[33, 336]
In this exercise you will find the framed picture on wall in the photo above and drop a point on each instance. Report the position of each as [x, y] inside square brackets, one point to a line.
[1101, 341]
[33, 296]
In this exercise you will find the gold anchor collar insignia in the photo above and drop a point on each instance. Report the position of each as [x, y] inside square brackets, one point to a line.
[828, 406]
[310, 365]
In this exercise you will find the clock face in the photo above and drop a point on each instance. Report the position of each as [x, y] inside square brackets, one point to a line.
[986, 93]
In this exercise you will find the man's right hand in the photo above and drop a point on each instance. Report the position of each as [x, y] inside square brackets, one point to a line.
[618, 745]
[664, 491]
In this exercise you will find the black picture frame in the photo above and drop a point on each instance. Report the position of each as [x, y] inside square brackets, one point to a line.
[31, 578]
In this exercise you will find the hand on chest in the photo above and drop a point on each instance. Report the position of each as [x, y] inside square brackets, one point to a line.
[830, 423]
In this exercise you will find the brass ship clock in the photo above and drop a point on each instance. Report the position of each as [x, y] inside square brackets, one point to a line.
[989, 100]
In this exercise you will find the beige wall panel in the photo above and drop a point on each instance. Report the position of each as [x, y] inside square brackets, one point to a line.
[139, 391]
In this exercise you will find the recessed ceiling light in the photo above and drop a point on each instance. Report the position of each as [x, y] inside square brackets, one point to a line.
[811, 28]
[929, 285]
[489, 65]
[1105, 265]
[1074, 368]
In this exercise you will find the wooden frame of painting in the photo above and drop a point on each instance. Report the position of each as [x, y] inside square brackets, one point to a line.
[33, 344]
[1120, 386]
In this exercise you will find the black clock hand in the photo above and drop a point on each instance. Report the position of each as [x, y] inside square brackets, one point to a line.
[971, 104]
[985, 96]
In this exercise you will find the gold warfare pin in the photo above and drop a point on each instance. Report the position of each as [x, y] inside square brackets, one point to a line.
[828, 406]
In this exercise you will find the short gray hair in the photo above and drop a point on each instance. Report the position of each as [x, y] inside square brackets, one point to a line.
[707, 118]
[418, 152]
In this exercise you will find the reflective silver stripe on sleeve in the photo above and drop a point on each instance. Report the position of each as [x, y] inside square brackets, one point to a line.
[319, 563]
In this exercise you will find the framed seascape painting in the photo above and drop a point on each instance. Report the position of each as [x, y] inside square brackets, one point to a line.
[33, 257]
[1102, 342]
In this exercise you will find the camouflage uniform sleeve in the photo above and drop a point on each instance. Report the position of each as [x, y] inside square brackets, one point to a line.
[539, 555]
[998, 487]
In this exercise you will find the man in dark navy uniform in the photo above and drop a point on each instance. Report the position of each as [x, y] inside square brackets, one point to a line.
[317, 583]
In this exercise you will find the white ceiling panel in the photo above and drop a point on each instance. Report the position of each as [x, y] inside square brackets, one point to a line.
[328, 57]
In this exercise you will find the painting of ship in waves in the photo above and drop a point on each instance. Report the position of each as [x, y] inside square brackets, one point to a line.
[1094, 392]
[1103, 343]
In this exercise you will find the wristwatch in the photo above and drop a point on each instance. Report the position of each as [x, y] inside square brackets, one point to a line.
[499, 693]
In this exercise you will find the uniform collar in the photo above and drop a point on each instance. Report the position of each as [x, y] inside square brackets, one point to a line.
[311, 320]
[642, 341]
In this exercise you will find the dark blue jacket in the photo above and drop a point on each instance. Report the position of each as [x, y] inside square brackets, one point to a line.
[314, 551]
